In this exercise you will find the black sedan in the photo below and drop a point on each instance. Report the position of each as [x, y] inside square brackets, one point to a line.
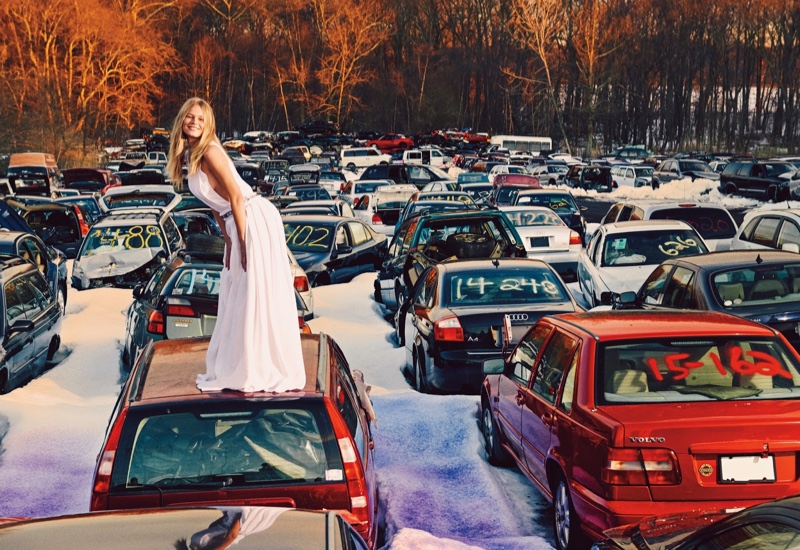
[457, 313]
[332, 249]
[771, 525]
[760, 285]
[50, 262]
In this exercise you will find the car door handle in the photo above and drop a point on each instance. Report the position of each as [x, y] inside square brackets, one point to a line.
[547, 418]
[520, 399]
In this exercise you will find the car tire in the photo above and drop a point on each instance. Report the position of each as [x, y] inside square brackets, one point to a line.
[420, 383]
[495, 453]
[566, 524]
[470, 245]
[772, 193]
[55, 343]
[654, 184]
[351, 167]
[731, 189]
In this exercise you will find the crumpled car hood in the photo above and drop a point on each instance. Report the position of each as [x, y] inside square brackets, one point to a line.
[116, 263]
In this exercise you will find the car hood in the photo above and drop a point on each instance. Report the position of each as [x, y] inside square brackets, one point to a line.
[11, 220]
[703, 174]
[114, 263]
[625, 278]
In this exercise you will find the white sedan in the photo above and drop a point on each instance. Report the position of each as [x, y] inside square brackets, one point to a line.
[621, 255]
[546, 237]
[301, 284]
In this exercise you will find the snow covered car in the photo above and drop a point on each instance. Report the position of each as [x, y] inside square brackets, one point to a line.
[621, 255]
[125, 248]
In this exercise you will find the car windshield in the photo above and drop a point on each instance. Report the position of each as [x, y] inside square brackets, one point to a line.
[530, 285]
[138, 199]
[558, 202]
[308, 237]
[650, 247]
[778, 168]
[697, 369]
[777, 285]
[643, 171]
[105, 240]
[526, 218]
[369, 187]
[694, 166]
[711, 223]
[244, 444]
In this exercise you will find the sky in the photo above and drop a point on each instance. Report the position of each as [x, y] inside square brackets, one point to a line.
[437, 489]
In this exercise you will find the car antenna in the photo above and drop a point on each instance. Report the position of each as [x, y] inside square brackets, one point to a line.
[758, 259]
[496, 262]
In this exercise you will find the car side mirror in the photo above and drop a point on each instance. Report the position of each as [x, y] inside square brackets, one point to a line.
[625, 300]
[23, 325]
[605, 298]
[494, 366]
[138, 291]
[344, 249]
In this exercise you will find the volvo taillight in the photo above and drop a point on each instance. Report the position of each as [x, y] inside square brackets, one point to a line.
[448, 330]
[574, 238]
[376, 220]
[105, 464]
[641, 467]
[155, 323]
[301, 283]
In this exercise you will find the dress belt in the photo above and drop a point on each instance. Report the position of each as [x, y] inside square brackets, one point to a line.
[229, 213]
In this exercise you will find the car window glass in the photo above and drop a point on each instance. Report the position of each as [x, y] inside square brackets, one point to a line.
[31, 300]
[556, 358]
[625, 213]
[789, 234]
[525, 353]
[568, 394]
[348, 404]
[157, 282]
[15, 309]
[765, 231]
[358, 232]
[678, 291]
[38, 255]
[652, 287]
[173, 235]
[637, 214]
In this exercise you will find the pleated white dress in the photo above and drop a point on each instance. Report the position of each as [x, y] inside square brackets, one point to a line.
[255, 345]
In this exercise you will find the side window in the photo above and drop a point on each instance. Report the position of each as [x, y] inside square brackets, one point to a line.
[764, 233]
[358, 232]
[789, 234]
[568, 395]
[156, 283]
[592, 248]
[625, 213]
[556, 359]
[348, 404]
[173, 235]
[744, 170]
[654, 285]
[363, 204]
[426, 291]
[525, 353]
[41, 288]
[31, 300]
[637, 214]
[678, 292]
[15, 310]
[38, 255]
[612, 214]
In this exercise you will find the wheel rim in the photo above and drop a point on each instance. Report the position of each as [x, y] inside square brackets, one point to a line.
[562, 519]
[488, 435]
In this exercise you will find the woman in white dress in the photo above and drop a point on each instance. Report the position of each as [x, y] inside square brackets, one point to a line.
[255, 345]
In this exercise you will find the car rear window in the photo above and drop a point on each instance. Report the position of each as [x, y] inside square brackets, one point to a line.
[650, 247]
[699, 369]
[711, 223]
[561, 204]
[240, 444]
[531, 285]
[307, 237]
[197, 282]
[104, 240]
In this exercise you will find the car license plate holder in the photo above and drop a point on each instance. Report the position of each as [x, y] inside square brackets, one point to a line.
[747, 469]
[539, 242]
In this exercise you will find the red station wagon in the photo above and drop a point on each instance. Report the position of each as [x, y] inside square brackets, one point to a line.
[168, 444]
[620, 415]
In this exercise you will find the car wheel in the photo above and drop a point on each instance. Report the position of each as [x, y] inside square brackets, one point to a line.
[419, 373]
[566, 525]
[55, 343]
[772, 193]
[495, 453]
[351, 167]
[654, 184]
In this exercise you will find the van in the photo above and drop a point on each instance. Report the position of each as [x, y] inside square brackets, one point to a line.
[33, 173]
[433, 157]
[361, 157]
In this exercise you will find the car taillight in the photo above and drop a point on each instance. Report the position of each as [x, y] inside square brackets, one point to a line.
[105, 464]
[301, 283]
[353, 473]
[81, 221]
[641, 467]
[574, 238]
[155, 323]
[448, 330]
[178, 307]
[304, 328]
[376, 220]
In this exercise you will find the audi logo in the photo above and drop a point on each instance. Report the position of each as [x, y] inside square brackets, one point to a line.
[517, 317]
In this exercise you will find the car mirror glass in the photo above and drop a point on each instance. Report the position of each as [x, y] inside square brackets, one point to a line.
[494, 366]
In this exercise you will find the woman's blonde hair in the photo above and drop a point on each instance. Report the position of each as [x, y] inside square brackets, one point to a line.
[178, 145]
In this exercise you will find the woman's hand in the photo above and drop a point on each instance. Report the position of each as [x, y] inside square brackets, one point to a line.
[227, 252]
[243, 248]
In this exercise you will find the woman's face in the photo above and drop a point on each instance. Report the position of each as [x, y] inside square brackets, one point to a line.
[193, 124]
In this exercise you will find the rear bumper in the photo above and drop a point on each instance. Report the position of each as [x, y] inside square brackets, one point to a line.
[459, 371]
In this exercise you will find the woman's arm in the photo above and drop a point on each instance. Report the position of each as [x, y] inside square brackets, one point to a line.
[215, 165]
[221, 224]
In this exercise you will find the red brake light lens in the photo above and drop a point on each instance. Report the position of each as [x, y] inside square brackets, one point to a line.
[301, 283]
[641, 467]
[574, 238]
[448, 330]
[155, 323]
[181, 310]
[376, 220]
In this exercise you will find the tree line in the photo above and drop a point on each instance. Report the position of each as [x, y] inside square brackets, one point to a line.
[670, 74]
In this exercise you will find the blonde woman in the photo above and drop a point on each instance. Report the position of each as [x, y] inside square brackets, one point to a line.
[255, 345]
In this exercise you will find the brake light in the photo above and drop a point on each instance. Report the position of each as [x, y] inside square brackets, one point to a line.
[376, 220]
[448, 330]
[102, 477]
[301, 283]
[574, 238]
[81, 221]
[304, 328]
[180, 308]
[687, 205]
[155, 323]
[641, 467]
[353, 473]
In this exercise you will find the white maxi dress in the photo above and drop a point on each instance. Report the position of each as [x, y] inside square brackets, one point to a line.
[255, 345]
